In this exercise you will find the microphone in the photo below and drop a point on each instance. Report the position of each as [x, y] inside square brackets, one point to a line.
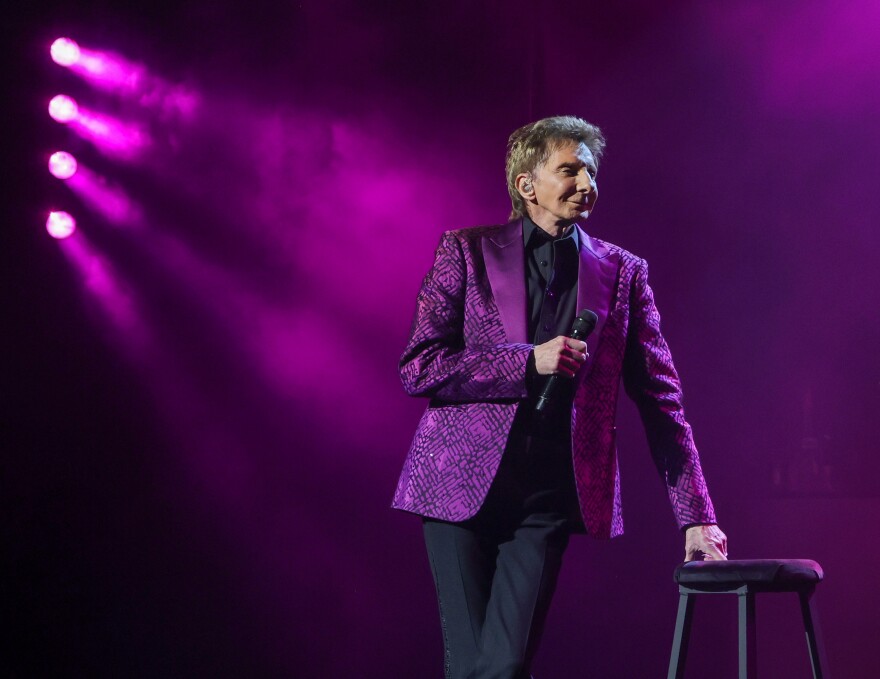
[581, 328]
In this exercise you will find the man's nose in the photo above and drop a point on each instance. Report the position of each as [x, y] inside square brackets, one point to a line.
[585, 182]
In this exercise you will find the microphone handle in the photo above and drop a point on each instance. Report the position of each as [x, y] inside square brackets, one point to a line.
[544, 398]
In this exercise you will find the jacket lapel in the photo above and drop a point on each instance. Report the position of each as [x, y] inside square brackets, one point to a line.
[597, 275]
[505, 266]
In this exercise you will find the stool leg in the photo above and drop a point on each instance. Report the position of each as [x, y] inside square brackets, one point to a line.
[682, 636]
[811, 627]
[748, 656]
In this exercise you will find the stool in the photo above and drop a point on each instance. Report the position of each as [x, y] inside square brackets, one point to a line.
[746, 578]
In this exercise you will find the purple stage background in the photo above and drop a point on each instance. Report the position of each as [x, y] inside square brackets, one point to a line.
[203, 423]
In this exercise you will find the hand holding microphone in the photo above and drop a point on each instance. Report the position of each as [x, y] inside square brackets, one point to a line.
[562, 357]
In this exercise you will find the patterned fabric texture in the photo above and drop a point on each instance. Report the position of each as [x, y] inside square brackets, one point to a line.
[467, 353]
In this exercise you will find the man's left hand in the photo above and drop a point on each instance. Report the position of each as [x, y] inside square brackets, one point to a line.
[706, 542]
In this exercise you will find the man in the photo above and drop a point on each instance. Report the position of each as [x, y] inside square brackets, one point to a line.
[501, 486]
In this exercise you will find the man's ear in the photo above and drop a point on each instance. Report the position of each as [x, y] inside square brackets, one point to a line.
[523, 183]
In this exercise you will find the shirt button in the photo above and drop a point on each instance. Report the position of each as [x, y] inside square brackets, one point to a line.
[547, 328]
[543, 262]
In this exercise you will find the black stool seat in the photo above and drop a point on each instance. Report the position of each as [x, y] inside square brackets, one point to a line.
[783, 575]
[746, 578]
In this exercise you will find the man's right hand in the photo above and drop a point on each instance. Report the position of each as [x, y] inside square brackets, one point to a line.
[560, 356]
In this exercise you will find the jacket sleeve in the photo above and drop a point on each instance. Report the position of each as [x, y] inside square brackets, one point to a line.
[441, 360]
[651, 381]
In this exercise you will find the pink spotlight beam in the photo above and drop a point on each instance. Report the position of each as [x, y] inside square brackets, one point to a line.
[62, 165]
[65, 52]
[110, 135]
[115, 299]
[111, 72]
[107, 199]
[60, 224]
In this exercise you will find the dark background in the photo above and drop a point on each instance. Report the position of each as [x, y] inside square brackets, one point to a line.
[202, 424]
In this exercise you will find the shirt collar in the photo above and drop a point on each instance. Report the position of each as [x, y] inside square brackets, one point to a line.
[529, 228]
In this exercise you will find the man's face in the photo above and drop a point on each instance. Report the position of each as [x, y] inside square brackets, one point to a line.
[565, 188]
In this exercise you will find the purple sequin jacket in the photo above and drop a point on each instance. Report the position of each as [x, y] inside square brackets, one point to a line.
[468, 350]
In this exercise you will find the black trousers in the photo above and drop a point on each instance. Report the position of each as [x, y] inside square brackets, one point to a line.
[496, 573]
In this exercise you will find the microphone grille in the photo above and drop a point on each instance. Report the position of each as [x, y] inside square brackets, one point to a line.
[584, 323]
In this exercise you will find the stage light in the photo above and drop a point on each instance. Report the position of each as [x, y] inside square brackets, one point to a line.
[65, 52]
[60, 224]
[62, 165]
[63, 108]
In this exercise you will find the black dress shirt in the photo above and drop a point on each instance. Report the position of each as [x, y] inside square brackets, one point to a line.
[551, 282]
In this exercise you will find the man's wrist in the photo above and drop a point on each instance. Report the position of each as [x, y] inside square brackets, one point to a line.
[531, 365]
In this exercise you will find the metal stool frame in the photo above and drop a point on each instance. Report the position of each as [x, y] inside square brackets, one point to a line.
[748, 658]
